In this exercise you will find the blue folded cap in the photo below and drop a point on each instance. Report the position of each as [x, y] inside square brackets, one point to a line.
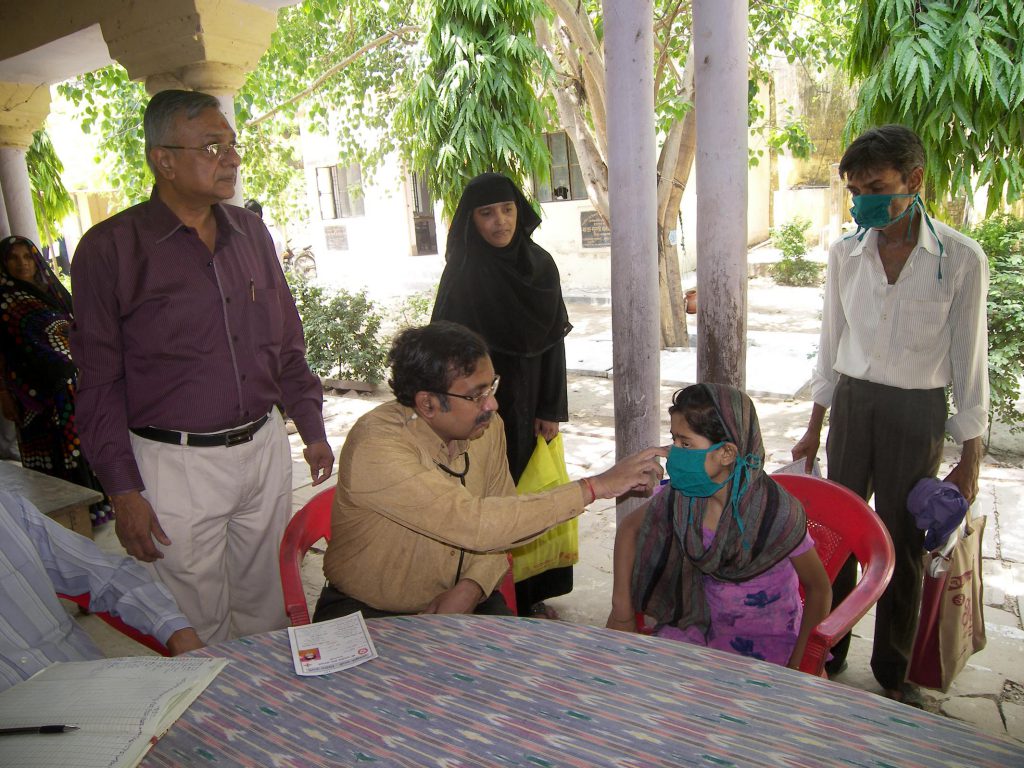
[938, 509]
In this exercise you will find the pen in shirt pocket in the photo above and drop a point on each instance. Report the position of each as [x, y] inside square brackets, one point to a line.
[252, 289]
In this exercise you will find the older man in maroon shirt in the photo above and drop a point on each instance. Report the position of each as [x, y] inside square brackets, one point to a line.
[188, 343]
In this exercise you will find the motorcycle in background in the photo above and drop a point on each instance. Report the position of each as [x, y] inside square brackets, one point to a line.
[301, 264]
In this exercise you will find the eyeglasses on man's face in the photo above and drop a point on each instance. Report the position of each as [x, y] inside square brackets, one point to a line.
[479, 399]
[218, 151]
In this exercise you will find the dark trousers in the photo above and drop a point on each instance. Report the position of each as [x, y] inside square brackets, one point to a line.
[881, 441]
[331, 604]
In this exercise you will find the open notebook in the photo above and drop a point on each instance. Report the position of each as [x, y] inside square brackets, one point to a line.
[121, 706]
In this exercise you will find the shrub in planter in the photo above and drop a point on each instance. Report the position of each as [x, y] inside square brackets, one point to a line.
[794, 268]
[342, 332]
[1002, 237]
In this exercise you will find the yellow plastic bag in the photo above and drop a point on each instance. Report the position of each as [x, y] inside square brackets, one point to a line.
[558, 546]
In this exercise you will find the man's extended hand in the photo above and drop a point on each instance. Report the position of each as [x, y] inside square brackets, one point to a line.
[965, 473]
[136, 525]
[640, 473]
[320, 458]
[464, 597]
[183, 641]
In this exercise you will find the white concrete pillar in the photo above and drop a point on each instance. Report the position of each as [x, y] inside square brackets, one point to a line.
[227, 106]
[720, 48]
[5, 224]
[23, 109]
[21, 216]
[632, 193]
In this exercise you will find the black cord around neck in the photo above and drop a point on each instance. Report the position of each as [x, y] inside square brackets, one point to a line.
[460, 475]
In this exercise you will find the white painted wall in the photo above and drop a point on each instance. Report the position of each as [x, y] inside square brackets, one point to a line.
[381, 242]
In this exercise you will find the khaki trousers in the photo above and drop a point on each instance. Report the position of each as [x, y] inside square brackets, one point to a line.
[225, 511]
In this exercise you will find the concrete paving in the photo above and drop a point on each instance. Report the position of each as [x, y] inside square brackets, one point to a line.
[783, 325]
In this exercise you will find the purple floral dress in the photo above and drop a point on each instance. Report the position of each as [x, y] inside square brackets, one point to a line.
[759, 618]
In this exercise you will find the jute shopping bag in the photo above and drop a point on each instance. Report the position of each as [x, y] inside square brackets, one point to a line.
[952, 623]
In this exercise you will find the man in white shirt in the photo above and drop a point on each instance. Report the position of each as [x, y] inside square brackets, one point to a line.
[39, 558]
[904, 317]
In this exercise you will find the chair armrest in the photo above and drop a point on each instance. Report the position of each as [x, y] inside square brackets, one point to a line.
[298, 614]
[845, 615]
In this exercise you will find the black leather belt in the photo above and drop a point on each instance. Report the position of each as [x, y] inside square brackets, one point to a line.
[224, 439]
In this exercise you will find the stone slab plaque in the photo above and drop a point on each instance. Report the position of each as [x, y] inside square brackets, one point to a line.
[337, 238]
[593, 231]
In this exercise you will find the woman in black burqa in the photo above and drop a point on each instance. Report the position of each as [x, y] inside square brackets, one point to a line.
[504, 286]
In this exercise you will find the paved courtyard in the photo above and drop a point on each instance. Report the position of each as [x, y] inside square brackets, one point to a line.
[783, 327]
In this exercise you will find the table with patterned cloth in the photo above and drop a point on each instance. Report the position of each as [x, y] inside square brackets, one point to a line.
[504, 691]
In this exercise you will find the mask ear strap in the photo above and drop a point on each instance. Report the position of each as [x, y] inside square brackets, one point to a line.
[745, 465]
[931, 228]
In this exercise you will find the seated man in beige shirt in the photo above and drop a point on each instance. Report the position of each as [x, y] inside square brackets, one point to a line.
[426, 508]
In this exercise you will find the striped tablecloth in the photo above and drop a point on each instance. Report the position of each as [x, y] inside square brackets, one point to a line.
[487, 691]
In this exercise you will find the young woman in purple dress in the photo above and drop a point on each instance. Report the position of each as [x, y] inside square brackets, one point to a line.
[719, 556]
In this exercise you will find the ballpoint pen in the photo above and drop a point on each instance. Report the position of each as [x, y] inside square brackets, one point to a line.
[38, 729]
[252, 289]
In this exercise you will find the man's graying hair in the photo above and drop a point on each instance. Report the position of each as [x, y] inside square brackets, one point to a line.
[888, 146]
[158, 120]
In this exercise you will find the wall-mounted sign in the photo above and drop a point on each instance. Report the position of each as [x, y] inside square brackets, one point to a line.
[337, 238]
[593, 231]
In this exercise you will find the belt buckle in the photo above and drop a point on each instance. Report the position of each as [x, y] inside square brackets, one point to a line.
[238, 437]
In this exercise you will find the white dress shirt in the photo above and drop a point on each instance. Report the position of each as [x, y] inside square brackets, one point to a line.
[922, 332]
[39, 558]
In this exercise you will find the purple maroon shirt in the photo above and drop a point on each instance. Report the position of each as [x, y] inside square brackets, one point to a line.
[168, 335]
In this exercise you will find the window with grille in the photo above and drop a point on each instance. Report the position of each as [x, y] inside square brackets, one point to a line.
[340, 191]
[566, 178]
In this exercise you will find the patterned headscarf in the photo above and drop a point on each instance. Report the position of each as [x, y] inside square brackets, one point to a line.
[760, 526]
[34, 332]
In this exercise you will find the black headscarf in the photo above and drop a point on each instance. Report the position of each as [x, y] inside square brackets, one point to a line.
[511, 296]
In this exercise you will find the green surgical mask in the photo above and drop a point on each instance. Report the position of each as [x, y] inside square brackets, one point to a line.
[872, 212]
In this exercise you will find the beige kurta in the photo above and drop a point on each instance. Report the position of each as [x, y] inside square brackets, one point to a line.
[400, 523]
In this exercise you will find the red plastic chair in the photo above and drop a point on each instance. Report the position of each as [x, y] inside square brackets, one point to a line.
[310, 524]
[147, 640]
[841, 524]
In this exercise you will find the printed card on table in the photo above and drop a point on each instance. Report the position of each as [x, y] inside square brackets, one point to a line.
[330, 646]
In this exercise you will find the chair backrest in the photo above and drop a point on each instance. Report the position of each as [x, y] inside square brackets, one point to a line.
[842, 524]
[149, 641]
[308, 526]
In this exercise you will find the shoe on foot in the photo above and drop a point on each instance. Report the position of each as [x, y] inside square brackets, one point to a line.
[906, 694]
[838, 670]
[542, 611]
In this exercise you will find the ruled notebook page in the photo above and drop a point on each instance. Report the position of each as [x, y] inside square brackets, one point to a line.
[120, 705]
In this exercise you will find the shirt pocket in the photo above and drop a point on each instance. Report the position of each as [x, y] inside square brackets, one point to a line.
[924, 324]
[267, 318]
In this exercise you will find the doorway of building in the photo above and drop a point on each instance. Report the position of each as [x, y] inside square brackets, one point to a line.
[423, 217]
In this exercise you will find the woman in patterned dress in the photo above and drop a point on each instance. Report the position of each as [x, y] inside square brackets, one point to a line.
[719, 556]
[38, 392]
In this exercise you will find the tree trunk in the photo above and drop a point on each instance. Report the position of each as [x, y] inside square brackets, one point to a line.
[674, 166]
[672, 303]
[773, 153]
